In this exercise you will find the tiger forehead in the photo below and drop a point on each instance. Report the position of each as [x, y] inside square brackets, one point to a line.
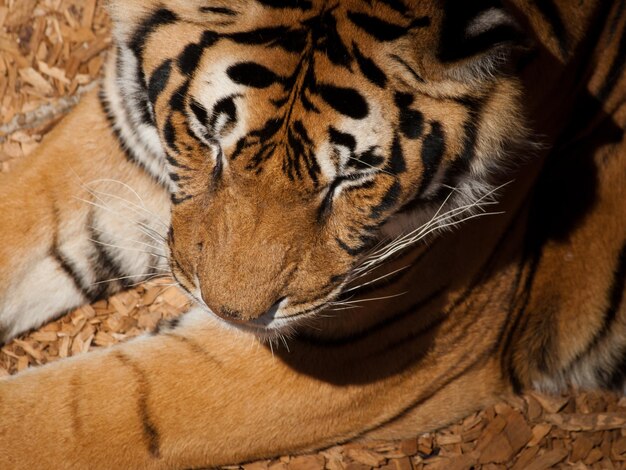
[299, 84]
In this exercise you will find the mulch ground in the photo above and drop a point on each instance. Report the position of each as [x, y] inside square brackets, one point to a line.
[50, 52]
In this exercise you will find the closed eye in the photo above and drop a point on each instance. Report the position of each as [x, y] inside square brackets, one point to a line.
[350, 180]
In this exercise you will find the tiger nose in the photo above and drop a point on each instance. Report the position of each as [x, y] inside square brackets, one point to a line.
[263, 318]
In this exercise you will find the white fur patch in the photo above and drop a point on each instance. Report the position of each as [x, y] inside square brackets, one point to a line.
[140, 139]
[43, 292]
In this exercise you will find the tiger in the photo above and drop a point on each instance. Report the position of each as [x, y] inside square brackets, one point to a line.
[423, 199]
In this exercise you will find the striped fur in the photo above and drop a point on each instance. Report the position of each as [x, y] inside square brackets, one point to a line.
[288, 158]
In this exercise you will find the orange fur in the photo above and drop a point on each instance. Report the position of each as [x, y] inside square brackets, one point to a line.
[532, 297]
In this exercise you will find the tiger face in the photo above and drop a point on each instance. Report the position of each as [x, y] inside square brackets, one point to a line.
[296, 134]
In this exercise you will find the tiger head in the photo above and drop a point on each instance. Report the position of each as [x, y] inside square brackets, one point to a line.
[294, 135]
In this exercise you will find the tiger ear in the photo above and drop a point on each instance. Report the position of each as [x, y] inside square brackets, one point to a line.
[477, 37]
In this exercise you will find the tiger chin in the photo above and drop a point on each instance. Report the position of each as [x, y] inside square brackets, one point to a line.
[328, 171]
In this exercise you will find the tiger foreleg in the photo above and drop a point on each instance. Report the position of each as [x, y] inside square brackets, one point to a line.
[78, 220]
[199, 395]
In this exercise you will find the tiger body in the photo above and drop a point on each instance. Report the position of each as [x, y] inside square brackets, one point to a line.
[230, 137]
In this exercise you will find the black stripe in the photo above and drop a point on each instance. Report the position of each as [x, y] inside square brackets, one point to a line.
[383, 30]
[172, 161]
[550, 12]
[387, 202]
[137, 44]
[126, 149]
[343, 139]
[433, 148]
[460, 166]
[615, 297]
[351, 251]
[306, 153]
[166, 324]
[380, 29]
[616, 72]
[517, 319]
[291, 4]
[169, 134]
[72, 272]
[369, 69]
[177, 100]
[396, 163]
[158, 80]
[326, 38]
[199, 111]
[226, 106]
[411, 121]
[327, 204]
[65, 263]
[76, 394]
[177, 199]
[103, 265]
[195, 347]
[408, 68]
[189, 59]
[291, 40]
[218, 11]
[252, 74]
[346, 101]
[474, 108]
[456, 44]
[150, 432]
[146, 27]
[619, 14]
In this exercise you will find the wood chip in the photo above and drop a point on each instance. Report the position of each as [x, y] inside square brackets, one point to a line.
[34, 78]
[366, 457]
[550, 403]
[409, 446]
[547, 460]
[257, 465]
[538, 433]
[307, 462]
[44, 336]
[403, 464]
[53, 72]
[580, 422]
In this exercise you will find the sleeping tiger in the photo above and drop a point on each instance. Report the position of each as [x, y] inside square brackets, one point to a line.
[287, 160]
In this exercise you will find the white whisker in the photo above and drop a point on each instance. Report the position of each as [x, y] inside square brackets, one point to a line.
[374, 280]
[126, 248]
[384, 297]
[141, 204]
[147, 277]
[145, 229]
[437, 221]
[131, 240]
